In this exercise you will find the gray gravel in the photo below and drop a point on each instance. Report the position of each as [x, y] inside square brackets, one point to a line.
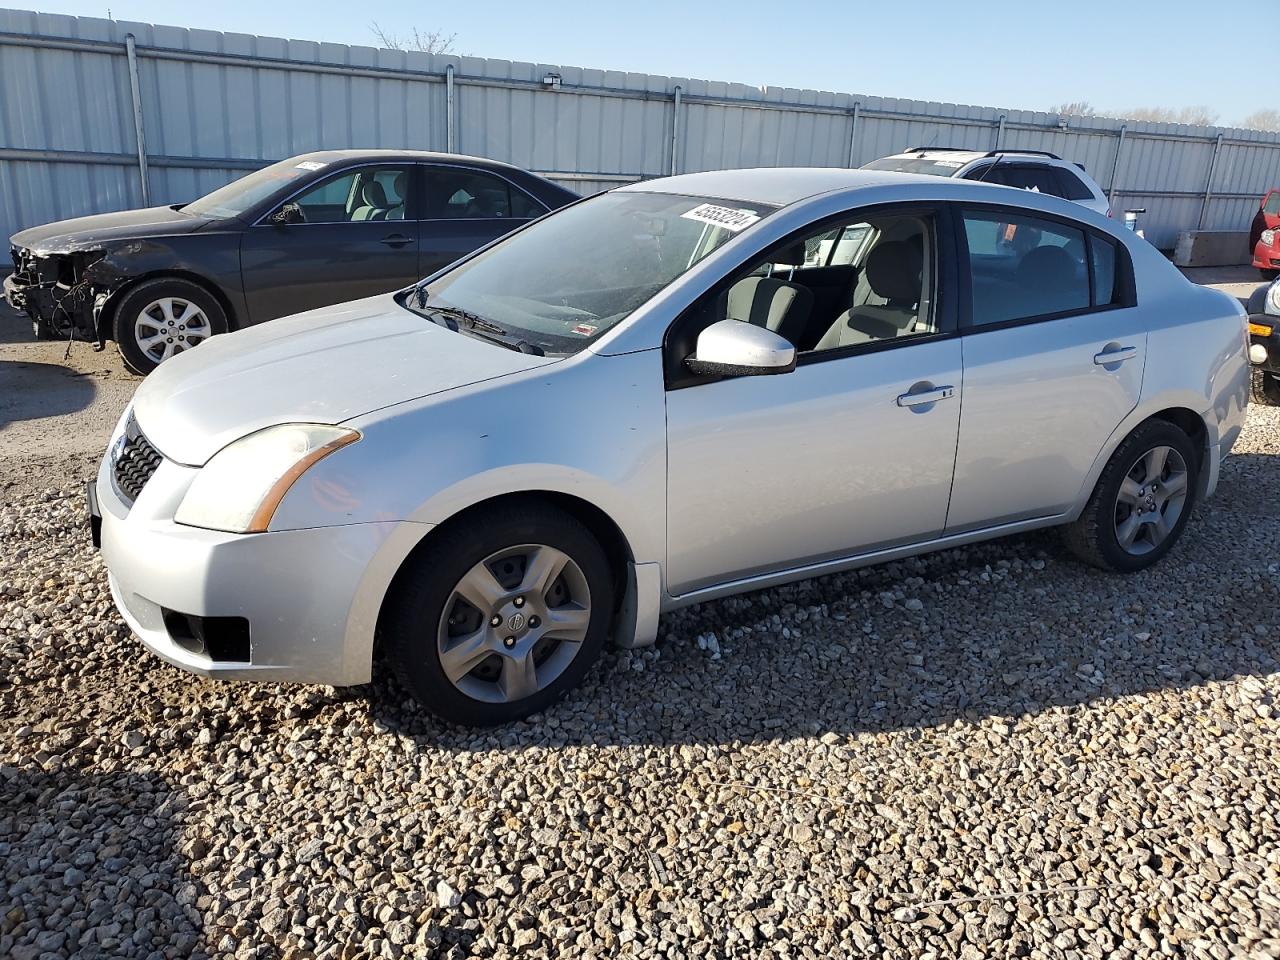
[992, 751]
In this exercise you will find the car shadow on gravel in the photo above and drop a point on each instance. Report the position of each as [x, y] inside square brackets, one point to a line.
[1001, 629]
[90, 866]
[33, 391]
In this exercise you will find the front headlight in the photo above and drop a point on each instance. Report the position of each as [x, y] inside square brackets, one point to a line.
[239, 489]
[1273, 299]
[1268, 237]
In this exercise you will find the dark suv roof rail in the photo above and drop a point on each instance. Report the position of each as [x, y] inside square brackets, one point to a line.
[1034, 153]
[990, 153]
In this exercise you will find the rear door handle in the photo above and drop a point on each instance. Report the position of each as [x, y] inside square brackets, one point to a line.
[396, 240]
[926, 396]
[1117, 355]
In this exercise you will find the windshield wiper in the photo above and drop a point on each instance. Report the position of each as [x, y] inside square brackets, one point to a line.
[480, 327]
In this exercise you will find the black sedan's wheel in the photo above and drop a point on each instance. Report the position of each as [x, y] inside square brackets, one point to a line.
[498, 619]
[161, 318]
[1141, 503]
[1265, 388]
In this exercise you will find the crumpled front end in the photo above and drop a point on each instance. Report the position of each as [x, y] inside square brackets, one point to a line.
[56, 291]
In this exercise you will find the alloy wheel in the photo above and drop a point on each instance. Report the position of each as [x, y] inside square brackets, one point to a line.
[168, 326]
[514, 623]
[1150, 500]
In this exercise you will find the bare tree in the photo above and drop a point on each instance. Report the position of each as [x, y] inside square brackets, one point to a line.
[424, 41]
[1200, 115]
[1262, 120]
[1075, 108]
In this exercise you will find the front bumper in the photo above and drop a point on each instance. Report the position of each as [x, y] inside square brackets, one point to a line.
[310, 597]
[1264, 348]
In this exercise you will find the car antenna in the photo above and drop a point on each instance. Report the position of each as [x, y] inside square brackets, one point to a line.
[998, 158]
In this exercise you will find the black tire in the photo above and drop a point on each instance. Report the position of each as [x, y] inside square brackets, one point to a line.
[134, 300]
[1265, 388]
[416, 606]
[1269, 274]
[1092, 537]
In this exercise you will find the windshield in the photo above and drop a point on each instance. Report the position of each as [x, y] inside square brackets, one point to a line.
[240, 196]
[571, 277]
[937, 166]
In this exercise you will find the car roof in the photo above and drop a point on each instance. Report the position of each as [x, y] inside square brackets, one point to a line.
[416, 156]
[776, 186]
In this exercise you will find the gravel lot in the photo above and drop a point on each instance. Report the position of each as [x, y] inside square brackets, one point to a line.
[992, 751]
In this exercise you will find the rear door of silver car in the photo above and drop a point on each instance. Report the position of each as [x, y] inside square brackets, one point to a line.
[1054, 348]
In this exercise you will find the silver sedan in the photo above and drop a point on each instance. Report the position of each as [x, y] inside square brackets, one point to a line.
[674, 391]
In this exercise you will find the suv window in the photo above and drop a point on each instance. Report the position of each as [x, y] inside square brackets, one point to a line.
[1022, 267]
[1070, 186]
[457, 194]
[1026, 177]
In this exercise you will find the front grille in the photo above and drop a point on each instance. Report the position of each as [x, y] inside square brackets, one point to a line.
[134, 460]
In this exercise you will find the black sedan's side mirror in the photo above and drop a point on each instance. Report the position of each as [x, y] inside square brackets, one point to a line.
[289, 213]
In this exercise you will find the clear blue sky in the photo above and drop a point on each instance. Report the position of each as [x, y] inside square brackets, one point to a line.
[1029, 54]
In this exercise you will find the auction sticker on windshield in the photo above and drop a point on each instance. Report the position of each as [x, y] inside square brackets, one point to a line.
[717, 216]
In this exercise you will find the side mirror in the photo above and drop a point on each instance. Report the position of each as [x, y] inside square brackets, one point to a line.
[732, 348]
[289, 213]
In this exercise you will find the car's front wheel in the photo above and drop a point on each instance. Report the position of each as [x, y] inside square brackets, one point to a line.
[161, 318]
[498, 617]
[1141, 502]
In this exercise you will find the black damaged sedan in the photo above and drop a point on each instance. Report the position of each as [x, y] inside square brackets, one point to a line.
[307, 232]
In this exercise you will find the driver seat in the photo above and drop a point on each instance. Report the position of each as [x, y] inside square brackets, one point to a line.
[777, 305]
[375, 205]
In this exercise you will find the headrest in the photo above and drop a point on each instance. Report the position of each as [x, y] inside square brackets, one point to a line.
[893, 271]
[1046, 266]
[401, 184]
[792, 256]
[374, 195]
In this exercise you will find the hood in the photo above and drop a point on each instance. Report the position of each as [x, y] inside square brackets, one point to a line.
[88, 233]
[324, 366]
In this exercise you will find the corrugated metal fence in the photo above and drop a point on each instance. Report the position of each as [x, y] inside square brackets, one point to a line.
[101, 115]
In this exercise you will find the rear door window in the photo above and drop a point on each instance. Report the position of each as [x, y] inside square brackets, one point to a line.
[1024, 267]
[1037, 178]
[454, 193]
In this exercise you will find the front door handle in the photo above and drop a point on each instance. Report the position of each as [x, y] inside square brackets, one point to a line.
[926, 396]
[1115, 355]
[396, 240]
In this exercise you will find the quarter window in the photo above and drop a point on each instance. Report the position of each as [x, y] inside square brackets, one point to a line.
[1103, 254]
[1072, 187]
[457, 194]
[1022, 267]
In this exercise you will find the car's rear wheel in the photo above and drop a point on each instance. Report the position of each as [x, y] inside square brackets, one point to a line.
[1265, 388]
[161, 318]
[498, 618]
[1141, 503]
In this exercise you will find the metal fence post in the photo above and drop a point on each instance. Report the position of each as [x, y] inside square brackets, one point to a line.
[675, 129]
[1000, 131]
[132, 53]
[450, 121]
[1115, 166]
[1208, 184]
[853, 130]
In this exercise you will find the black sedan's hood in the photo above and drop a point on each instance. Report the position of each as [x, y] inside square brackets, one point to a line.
[90, 233]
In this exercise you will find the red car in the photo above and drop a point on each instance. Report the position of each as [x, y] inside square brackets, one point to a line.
[1264, 236]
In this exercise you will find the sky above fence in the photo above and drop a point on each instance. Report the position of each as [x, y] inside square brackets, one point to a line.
[1007, 53]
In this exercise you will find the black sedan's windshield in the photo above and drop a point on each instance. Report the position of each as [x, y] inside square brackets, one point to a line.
[240, 196]
[568, 279]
